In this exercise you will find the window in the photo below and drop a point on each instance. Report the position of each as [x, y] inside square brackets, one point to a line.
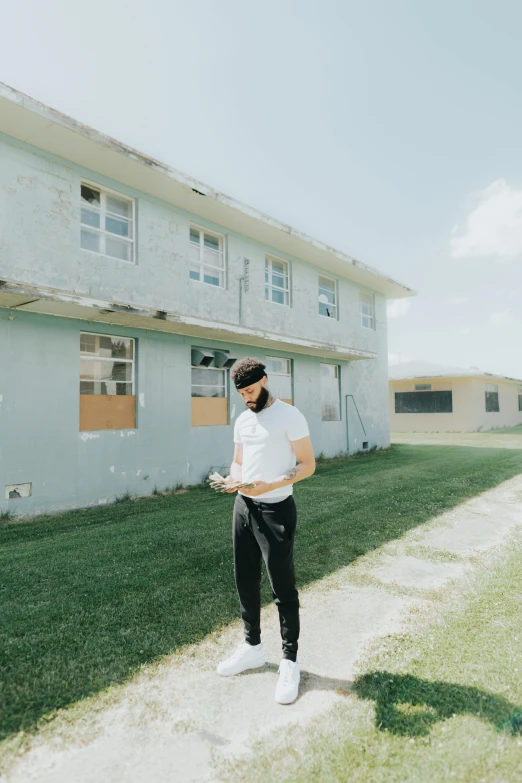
[107, 223]
[208, 382]
[422, 387]
[209, 396]
[107, 395]
[279, 373]
[424, 402]
[277, 281]
[367, 310]
[207, 257]
[327, 297]
[520, 398]
[492, 405]
[330, 392]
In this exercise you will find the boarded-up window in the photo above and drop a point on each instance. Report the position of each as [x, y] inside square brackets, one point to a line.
[107, 396]
[492, 405]
[279, 373]
[424, 402]
[330, 392]
[209, 396]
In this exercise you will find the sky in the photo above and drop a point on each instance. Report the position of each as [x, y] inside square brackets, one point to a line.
[390, 129]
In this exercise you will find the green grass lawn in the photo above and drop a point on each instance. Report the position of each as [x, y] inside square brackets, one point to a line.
[515, 430]
[89, 596]
[443, 703]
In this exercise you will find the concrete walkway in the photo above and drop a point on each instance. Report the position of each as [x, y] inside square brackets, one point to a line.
[178, 720]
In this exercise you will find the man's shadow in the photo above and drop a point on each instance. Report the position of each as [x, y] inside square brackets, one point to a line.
[410, 706]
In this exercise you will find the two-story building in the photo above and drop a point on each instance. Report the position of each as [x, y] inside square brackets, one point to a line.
[127, 291]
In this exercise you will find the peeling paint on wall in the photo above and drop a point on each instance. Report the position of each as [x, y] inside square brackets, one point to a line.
[111, 468]
[85, 436]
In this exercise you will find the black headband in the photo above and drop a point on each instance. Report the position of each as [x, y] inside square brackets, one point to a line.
[251, 378]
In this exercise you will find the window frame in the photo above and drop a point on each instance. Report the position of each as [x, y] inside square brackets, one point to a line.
[520, 398]
[338, 377]
[289, 374]
[269, 287]
[110, 359]
[399, 396]
[222, 243]
[423, 387]
[335, 305]
[491, 388]
[225, 372]
[362, 294]
[103, 232]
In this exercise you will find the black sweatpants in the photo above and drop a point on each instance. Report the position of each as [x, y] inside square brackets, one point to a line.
[266, 530]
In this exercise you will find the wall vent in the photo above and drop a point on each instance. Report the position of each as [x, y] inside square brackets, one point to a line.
[15, 491]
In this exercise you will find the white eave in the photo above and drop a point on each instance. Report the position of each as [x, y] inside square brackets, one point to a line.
[424, 371]
[51, 302]
[27, 120]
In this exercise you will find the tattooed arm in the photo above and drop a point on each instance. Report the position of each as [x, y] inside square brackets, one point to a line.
[304, 453]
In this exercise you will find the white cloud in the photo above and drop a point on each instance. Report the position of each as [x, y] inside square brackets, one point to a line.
[398, 307]
[494, 225]
[396, 358]
[498, 319]
[458, 300]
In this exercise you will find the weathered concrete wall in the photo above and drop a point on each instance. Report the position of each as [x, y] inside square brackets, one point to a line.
[40, 244]
[469, 407]
[367, 410]
[40, 441]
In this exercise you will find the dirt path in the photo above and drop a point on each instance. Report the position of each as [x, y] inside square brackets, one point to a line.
[177, 721]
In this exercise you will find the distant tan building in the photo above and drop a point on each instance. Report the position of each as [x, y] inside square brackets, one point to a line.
[427, 397]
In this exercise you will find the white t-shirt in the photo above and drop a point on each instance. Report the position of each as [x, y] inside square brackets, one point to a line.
[267, 451]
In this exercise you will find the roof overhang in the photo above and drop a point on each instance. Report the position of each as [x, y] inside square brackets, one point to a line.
[27, 120]
[486, 376]
[30, 299]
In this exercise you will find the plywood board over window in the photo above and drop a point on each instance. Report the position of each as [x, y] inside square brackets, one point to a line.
[107, 397]
[209, 396]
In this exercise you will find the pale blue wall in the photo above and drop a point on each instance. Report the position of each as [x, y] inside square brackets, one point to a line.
[40, 441]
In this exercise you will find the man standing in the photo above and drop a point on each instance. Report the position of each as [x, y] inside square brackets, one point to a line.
[270, 438]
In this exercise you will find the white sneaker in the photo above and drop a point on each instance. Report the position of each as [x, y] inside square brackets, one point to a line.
[288, 682]
[246, 656]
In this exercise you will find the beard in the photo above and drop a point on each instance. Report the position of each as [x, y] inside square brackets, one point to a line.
[261, 401]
